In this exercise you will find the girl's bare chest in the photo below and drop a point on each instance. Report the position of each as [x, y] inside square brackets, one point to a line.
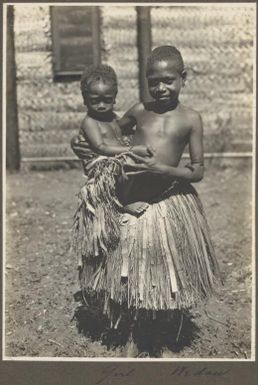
[164, 127]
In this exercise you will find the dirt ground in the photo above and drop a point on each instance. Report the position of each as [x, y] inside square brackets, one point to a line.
[41, 271]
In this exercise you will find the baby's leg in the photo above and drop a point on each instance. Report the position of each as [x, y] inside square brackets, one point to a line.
[136, 208]
[126, 190]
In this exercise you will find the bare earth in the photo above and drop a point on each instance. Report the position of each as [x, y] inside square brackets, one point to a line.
[41, 271]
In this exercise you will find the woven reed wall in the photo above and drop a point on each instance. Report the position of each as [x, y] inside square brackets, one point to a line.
[217, 47]
[119, 34]
[49, 113]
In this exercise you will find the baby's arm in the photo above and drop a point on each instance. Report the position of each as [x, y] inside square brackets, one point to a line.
[94, 137]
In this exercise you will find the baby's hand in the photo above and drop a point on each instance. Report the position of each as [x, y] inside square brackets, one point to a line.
[141, 150]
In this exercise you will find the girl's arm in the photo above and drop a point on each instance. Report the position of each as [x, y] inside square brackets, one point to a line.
[191, 173]
[128, 122]
[80, 147]
[194, 171]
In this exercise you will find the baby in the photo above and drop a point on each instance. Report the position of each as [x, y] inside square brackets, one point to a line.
[100, 129]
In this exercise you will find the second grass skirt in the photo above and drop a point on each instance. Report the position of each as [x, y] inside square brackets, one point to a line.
[164, 260]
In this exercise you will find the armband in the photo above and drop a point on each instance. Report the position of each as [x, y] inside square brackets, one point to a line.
[191, 165]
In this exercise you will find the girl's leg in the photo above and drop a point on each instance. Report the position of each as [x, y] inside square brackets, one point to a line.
[131, 349]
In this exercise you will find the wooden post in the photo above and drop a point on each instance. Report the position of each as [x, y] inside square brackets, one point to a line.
[12, 134]
[144, 48]
[96, 41]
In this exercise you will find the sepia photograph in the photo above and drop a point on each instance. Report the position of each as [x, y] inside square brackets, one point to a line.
[129, 182]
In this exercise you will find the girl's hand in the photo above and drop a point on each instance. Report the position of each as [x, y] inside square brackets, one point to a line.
[80, 147]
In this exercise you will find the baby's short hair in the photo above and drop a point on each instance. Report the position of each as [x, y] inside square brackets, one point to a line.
[165, 52]
[95, 73]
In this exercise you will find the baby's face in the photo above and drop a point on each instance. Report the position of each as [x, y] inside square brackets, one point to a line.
[164, 81]
[100, 97]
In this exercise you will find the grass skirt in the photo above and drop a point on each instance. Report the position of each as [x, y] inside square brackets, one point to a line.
[163, 260]
[96, 227]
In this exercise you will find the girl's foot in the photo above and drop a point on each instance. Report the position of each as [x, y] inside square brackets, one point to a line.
[136, 208]
[166, 353]
[143, 355]
[130, 349]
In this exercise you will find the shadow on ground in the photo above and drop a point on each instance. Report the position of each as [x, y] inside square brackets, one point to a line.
[151, 336]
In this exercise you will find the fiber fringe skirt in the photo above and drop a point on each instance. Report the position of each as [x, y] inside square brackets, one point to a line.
[162, 260]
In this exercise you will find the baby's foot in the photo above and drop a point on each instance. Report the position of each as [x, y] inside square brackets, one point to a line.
[136, 208]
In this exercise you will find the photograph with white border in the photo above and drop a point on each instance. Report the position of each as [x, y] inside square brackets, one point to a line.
[142, 254]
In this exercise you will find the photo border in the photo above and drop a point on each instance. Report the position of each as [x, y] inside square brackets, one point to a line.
[55, 370]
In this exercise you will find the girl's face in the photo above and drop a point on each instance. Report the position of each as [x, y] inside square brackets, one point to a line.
[100, 97]
[165, 82]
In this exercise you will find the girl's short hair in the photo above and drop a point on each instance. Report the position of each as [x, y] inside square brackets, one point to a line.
[165, 52]
[95, 73]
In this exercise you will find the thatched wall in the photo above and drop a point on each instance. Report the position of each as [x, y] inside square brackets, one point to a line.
[49, 113]
[119, 36]
[216, 45]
